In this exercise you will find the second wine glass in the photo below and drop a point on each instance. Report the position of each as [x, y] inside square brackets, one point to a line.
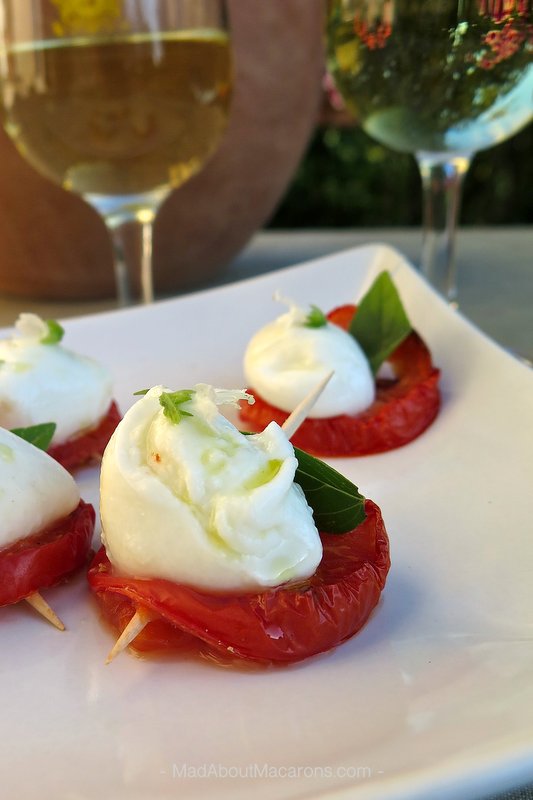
[440, 79]
[119, 101]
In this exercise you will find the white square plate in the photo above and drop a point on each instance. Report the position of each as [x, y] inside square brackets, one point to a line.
[433, 699]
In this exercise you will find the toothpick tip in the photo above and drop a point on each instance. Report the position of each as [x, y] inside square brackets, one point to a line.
[39, 604]
[295, 419]
[140, 619]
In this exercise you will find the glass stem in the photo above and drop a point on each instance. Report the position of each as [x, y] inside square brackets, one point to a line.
[442, 178]
[147, 277]
[132, 245]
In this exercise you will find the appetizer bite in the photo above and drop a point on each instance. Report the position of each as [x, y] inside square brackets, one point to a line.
[46, 530]
[40, 380]
[234, 545]
[384, 392]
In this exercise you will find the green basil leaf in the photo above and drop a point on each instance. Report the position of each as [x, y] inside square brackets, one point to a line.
[337, 505]
[171, 402]
[38, 435]
[55, 332]
[316, 318]
[380, 323]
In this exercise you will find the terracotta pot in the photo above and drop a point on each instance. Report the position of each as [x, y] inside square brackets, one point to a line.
[54, 246]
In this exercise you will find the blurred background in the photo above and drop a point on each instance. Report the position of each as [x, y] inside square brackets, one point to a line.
[290, 159]
[347, 179]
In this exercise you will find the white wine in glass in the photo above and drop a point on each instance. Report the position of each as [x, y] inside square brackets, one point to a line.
[119, 101]
[440, 79]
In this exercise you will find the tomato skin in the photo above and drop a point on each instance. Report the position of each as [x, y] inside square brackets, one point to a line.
[47, 557]
[281, 625]
[402, 410]
[88, 447]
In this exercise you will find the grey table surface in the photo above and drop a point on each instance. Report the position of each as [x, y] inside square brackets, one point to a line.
[495, 281]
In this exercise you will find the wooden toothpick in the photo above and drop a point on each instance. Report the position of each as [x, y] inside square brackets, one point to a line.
[295, 419]
[40, 605]
[140, 620]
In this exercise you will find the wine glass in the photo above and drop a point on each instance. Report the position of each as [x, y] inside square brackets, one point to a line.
[440, 79]
[119, 101]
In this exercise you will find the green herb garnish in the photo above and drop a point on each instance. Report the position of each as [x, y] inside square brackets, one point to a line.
[171, 402]
[337, 505]
[316, 318]
[38, 435]
[55, 332]
[380, 323]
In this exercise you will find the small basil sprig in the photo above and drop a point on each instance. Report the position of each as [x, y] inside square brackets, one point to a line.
[38, 435]
[171, 403]
[316, 318]
[380, 323]
[55, 332]
[337, 505]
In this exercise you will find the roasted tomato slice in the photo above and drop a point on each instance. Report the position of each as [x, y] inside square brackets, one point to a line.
[280, 625]
[47, 557]
[88, 447]
[403, 408]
